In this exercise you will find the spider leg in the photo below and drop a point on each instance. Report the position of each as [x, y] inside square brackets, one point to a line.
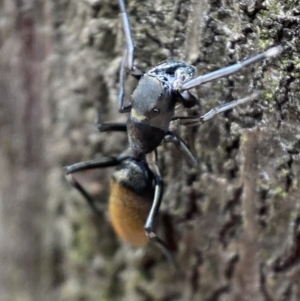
[129, 53]
[128, 58]
[200, 80]
[122, 74]
[182, 146]
[87, 165]
[149, 225]
[193, 121]
[112, 127]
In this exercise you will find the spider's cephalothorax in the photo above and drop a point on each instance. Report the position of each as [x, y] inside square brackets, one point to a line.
[153, 104]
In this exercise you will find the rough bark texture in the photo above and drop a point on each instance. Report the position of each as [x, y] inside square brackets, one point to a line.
[233, 225]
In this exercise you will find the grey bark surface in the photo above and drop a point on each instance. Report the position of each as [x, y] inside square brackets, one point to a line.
[233, 224]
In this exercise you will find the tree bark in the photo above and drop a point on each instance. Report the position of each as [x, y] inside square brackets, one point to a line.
[233, 224]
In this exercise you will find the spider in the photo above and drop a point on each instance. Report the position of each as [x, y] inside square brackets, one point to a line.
[136, 185]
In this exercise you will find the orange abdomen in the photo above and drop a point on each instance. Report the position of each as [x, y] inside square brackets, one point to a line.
[128, 213]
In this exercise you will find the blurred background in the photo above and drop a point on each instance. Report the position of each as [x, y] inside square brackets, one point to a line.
[233, 225]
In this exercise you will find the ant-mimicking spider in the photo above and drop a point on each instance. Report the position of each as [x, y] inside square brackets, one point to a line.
[136, 185]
